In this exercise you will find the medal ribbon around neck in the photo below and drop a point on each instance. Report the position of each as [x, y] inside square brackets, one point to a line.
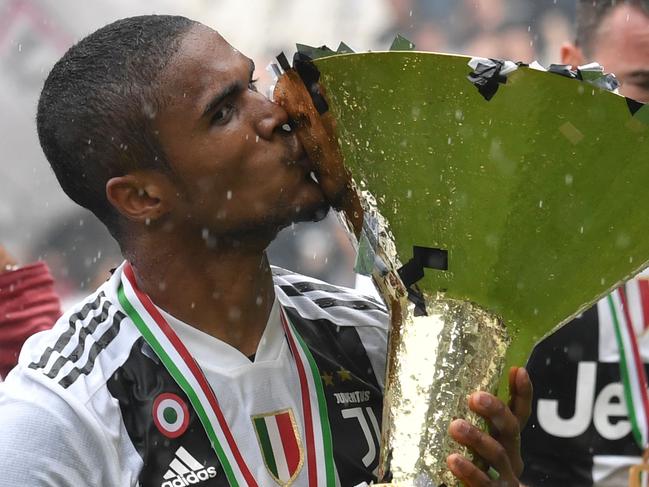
[632, 370]
[316, 420]
[189, 376]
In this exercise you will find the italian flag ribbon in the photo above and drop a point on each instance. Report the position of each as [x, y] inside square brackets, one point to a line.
[632, 369]
[189, 376]
[319, 450]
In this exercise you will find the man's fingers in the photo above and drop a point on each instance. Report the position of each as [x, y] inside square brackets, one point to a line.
[465, 471]
[501, 449]
[484, 445]
[520, 394]
[503, 421]
[505, 426]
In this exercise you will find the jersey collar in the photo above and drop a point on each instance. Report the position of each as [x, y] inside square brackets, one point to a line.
[215, 355]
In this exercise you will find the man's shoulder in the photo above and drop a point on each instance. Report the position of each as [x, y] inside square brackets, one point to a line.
[87, 344]
[315, 299]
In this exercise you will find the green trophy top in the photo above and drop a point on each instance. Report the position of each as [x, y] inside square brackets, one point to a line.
[539, 195]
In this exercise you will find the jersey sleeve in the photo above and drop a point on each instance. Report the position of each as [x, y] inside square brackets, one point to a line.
[375, 341]
[47, 443]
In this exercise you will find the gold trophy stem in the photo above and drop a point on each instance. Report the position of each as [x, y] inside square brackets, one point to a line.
[434, 362]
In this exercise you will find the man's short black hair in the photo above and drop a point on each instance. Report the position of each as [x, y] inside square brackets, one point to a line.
[96, 108]
[591, 13]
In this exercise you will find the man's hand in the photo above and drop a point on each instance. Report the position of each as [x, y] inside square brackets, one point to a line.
[7, 263]
[501, 449]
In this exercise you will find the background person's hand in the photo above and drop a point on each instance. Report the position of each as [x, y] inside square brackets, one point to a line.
[501, 449]
[7, 262]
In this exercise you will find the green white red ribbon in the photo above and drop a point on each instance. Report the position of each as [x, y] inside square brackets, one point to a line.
[189, 376]
[632, 369]
[317, 432]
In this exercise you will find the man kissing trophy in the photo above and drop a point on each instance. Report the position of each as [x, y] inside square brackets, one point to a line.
[493, 202]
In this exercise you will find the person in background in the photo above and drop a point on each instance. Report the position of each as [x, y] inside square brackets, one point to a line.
[580, 432]
[28, 304]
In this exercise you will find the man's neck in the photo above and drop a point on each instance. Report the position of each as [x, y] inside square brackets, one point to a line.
[225, 291]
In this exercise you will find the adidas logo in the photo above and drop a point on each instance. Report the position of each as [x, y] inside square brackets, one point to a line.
[185, 470]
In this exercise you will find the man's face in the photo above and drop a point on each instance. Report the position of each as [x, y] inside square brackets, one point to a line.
[236, 169]
[621, 46]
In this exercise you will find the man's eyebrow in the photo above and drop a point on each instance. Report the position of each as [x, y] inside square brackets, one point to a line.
[226, 92]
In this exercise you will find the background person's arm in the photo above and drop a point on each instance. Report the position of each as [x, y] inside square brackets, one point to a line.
[28, 304]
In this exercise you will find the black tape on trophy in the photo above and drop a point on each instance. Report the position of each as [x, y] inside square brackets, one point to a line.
[309, 74]
[634, 106]
[413, 270]
[640, 111]
[487, 78]
[423, 257]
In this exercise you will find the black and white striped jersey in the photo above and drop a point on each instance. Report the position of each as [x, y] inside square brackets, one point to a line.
[579, 433]
[90, 403]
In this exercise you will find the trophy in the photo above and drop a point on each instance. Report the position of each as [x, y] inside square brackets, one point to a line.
[490, 202]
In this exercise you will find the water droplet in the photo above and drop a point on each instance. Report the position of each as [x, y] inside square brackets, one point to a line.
[234, 313]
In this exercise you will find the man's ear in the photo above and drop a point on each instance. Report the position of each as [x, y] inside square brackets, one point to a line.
[141, 196]
[572, 54]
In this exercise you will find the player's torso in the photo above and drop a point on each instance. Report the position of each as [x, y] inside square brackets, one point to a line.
[263, 406]
[580, 433]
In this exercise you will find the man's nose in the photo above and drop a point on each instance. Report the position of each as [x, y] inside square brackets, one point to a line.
[271, 118]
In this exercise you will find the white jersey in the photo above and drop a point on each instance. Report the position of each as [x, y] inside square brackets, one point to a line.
[90, 402]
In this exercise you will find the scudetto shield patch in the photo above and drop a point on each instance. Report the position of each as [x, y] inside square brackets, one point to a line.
[280, 444]
[170, 414]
